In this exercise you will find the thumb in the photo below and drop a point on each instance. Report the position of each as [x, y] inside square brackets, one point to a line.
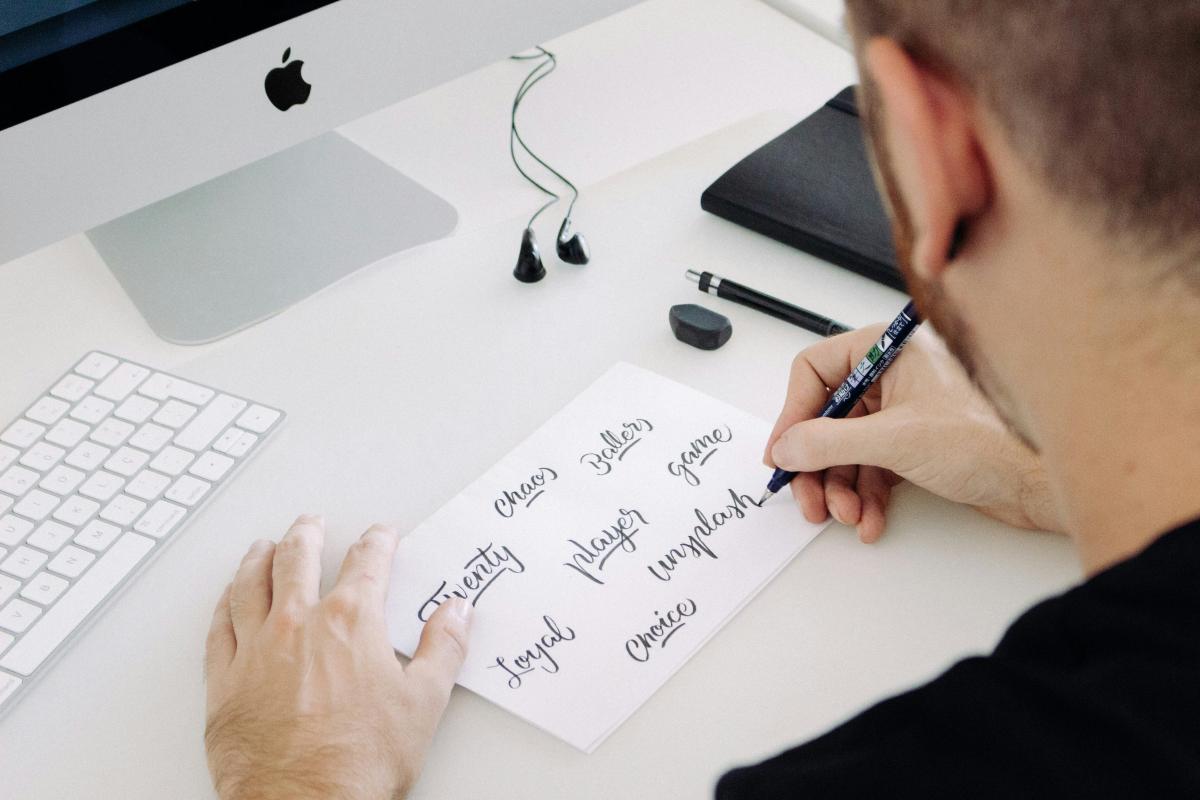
[443, 647]
[821, 443]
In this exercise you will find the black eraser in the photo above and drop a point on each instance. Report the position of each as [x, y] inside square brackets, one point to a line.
[699, 327]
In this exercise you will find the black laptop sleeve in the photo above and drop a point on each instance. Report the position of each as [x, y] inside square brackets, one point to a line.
[812, 188]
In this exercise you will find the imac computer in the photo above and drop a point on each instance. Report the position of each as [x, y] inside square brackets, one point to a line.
[192, 139]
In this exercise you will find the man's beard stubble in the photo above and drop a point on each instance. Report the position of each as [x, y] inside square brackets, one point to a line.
[929, 296]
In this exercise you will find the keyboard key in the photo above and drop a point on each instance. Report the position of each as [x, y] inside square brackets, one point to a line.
[8, 686]
[258, 418]
[127, 461]
[97, 535]
[112, 432]
[151, 437]
[175, 414]
[210, 423]
[23, 562]
[13, 530]
[6, 639]
[22, 433]
[36, 505]
[164, 387]
[123, 380]
[67, 433]
[18, 480]
[72, 388]
[161, 519]
[48, 410]
[91, 410]
[6, 503]
[147, 485]
[51, 536]
[136, 409]
[8, 588]
[123, 510]
[211, 466]
[76, 510]
[8, 456]
[102, 486]
[18, 615]
[74, 606]
[96, 365]
[62, 480]
[171, 461]
[44, 589]
[42, 456]
[188, 490]
[88, 456]
[71, 561]
[235, 442]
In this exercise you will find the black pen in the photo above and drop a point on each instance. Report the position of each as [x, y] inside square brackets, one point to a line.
[810, 321]
[846, 397]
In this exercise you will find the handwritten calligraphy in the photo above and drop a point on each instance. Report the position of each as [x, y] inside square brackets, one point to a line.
[616, 445]
[697, 454]
[696, 545]
[538, 655]
[480, 572]
[591, 555]
[524, 495]
[641, 646]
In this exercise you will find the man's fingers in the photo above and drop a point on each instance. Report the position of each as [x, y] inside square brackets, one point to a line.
[840, 495]
[875, 489]
[222, 642]
[443, 648]
[815, 372]
[296, 572]
[809, 490]
[818, 444]
[250, 595]
[367, 568]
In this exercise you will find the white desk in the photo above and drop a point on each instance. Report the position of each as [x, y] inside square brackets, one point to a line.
[411, 377]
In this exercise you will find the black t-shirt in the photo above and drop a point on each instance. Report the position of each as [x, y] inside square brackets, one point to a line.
[1094, 693]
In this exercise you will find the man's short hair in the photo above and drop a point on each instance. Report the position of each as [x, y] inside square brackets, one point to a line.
[1100, 97]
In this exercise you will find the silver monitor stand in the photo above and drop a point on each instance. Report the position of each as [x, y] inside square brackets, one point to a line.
[219, 257]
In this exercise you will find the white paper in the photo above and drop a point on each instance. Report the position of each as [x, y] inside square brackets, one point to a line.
[601, 553]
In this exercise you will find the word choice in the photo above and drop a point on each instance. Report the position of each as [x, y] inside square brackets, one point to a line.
[641, 646]
[506, 505]
[537, 655]
[481, 571]
[697, 454]
[616, 445]
[696, 545]
[591, 555]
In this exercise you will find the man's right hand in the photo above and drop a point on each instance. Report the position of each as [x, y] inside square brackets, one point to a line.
[923, 421]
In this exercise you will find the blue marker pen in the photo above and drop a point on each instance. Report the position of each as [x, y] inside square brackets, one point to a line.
[873, 364]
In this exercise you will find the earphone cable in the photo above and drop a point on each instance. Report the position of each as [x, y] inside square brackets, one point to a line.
[548, 62]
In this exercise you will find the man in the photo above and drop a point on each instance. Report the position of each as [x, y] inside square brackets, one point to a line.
[1041, 159]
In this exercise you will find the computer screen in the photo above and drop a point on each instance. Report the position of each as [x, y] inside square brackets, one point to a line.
[56, 52]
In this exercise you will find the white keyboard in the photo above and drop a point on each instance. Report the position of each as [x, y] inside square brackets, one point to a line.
[95, 478]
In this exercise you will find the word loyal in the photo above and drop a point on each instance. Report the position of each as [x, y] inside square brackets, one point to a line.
[697, 454]
[524, 495]
[591, 556]
[696, 545]
[536, 655]
[480, 572]
[616, 445]
[641, 646]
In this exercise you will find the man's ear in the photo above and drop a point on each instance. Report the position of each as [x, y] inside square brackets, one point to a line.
[929, 130]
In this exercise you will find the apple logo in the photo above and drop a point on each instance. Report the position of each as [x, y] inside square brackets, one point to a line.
[285, 86]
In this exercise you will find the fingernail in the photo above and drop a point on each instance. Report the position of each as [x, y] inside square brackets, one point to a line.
[311, 519]
[261, 546]
[837, 515]
[461, 609]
